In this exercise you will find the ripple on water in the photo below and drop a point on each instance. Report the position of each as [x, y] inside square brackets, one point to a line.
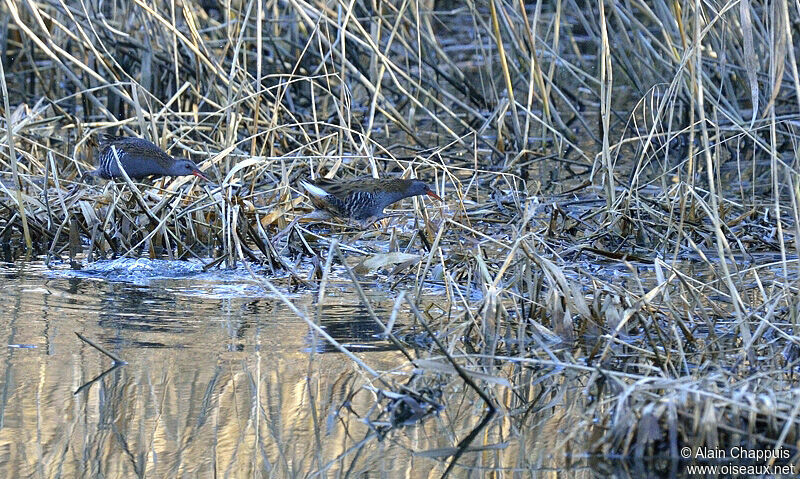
[183, 278]
[144, 303]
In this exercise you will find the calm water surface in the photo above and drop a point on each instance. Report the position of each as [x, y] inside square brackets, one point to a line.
[221, 380]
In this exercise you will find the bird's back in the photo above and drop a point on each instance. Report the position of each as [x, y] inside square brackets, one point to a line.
[357, 198]
[139, 157]
[366, 185]
[134, 148]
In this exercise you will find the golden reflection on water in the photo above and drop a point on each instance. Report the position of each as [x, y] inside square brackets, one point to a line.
[226, 387]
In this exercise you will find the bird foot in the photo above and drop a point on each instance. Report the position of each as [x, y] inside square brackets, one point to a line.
[317, 215]
[365, 223]
[360, 224]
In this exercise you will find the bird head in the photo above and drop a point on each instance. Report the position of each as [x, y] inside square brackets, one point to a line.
[419, 187]
[187, 167]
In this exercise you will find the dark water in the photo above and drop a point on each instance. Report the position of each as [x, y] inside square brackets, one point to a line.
[224, 380]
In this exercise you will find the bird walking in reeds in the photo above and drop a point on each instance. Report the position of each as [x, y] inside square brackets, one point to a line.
[362, 200]
[140, 159]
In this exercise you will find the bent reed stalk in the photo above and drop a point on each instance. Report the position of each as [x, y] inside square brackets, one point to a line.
[586, 256]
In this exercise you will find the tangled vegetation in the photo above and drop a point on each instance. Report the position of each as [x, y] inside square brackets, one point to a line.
[619, 240]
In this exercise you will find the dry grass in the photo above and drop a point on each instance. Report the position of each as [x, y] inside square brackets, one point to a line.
[622, 209]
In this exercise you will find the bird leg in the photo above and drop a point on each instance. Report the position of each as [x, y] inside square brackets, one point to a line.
[365, 223]
[319, 215]
[360, 224]
[286, 230]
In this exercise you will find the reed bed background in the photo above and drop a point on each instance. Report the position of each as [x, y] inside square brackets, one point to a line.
[620, 235]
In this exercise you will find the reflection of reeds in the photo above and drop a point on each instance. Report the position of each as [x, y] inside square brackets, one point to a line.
[614, 173]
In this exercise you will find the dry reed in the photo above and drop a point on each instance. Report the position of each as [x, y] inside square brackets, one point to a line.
[622, 216]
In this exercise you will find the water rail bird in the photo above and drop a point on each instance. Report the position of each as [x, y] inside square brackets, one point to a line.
[362, 199]
[140, 159]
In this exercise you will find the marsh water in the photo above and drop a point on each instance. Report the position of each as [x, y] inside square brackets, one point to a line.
[223, 379]
[219, 376]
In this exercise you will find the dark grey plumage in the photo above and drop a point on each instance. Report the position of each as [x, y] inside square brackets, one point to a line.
[362, 199]
[140, 159]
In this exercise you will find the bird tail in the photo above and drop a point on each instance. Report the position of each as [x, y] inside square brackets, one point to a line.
[313, 190]
[106, 138]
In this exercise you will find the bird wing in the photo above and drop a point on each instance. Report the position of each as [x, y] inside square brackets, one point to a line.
[343, 188]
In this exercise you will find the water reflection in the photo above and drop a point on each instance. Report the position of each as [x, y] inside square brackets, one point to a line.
[230, 385]
[214, 383]
[352, 326]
